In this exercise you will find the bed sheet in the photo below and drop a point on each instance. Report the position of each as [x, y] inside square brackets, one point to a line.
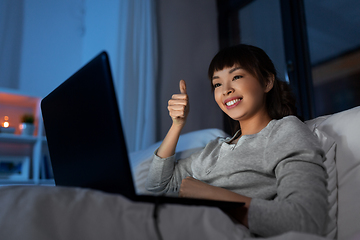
[40, 212]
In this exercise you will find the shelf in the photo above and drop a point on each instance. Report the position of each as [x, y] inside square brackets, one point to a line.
[13, 138]
[46, 182]
[13, 106]
[4, 182]
[42, 182]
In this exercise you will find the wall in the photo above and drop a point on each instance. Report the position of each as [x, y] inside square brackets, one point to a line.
[188, 41]
[101, 29]
[11, 29]
[60, 36]
[52, 44]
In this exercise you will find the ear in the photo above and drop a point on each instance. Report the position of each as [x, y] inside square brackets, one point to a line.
[270, 83]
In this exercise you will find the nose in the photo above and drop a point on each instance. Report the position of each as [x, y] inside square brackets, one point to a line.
[228, 90]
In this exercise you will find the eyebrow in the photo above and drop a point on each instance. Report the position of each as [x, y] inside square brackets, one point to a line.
[234, 69]
[231, 71]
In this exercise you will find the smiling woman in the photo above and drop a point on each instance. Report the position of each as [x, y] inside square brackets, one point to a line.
[252, 63]
[241, 96]
[273, 163]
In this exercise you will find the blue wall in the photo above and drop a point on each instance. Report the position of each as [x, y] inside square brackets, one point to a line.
[60, 36]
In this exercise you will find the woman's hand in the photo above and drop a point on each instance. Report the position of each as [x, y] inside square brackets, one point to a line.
[193, 188]
[178, 105]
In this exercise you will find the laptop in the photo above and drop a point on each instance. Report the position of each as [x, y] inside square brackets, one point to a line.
[85, 137]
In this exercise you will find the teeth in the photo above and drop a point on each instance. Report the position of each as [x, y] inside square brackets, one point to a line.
[232, 102]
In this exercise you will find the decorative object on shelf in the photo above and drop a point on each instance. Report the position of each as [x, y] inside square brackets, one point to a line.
[27, 126]
[15, 168]
[5, 128]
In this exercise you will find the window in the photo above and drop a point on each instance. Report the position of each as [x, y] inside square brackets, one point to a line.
[313, 44]
[333, 28]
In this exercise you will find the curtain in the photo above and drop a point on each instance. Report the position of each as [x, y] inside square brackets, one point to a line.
[137, 71]
[11, 24]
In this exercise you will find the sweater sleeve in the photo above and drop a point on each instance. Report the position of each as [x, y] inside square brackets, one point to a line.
[301, 201]
[166, 174]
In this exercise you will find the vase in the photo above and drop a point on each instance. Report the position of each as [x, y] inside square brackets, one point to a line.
[27, 129]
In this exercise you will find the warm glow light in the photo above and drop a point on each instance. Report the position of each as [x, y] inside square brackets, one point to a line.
[6, 124]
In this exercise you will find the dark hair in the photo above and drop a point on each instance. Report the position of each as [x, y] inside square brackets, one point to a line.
[280, 101]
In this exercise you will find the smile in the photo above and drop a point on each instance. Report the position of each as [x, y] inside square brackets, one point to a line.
[232, 103]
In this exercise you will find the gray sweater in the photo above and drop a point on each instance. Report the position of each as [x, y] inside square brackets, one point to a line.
[280, 168]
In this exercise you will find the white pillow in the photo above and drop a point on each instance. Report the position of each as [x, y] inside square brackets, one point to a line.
[191, 140]
[344, 128]
[329, 146]
[188, 144]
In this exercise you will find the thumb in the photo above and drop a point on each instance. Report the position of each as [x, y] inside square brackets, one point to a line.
[182, 86]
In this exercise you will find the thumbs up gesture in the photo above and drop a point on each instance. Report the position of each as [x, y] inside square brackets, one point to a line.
[178, 105]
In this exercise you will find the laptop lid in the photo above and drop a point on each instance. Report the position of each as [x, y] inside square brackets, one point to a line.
[84, 133]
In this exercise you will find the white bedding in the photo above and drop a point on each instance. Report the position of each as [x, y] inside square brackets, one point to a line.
[39, 213]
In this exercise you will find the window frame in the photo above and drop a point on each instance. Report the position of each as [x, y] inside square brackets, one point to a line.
[296, 47]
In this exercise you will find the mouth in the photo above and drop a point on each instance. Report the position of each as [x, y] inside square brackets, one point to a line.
[233, 102]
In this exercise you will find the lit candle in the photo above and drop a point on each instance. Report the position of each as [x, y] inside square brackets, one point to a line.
[6, 124]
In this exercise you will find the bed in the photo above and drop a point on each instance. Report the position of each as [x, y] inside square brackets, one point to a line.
[44, 212]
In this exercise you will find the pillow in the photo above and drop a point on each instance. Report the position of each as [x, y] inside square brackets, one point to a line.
[141, 171]
[191, 140]
[188, 144]
[344, 128]
[328, 144]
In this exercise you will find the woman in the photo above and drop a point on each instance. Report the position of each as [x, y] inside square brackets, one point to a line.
[273, 163]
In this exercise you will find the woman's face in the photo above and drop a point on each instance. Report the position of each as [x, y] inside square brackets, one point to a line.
[239, 94]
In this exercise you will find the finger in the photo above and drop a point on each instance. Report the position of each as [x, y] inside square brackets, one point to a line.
[177, 114]
[182, 86]
[179, 96]
[177, 108]
[174, 102]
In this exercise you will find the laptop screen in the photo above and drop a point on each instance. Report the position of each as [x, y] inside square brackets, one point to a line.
[84, 133]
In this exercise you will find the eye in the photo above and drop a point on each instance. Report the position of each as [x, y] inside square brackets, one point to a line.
[216, 85]
[237, 77]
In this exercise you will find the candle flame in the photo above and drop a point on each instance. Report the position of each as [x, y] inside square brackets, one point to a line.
[6, 124]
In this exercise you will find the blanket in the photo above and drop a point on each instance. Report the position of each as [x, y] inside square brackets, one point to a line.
[40, 212]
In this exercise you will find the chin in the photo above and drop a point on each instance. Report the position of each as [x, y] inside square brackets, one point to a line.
[236, 116]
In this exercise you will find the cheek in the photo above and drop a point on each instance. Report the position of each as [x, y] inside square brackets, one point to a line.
[256, 90]
[217, 98]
